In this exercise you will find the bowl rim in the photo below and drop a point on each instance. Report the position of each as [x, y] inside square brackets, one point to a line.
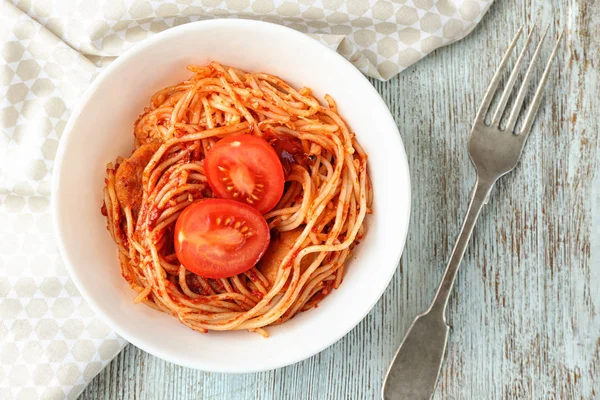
[64, 140]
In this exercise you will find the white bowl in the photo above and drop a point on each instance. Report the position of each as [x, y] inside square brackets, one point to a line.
[100, 129]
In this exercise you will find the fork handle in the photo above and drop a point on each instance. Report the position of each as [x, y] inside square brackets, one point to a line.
[479, 197]
[415, 368]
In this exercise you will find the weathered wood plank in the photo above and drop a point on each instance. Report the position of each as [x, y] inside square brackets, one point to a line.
[525, 313]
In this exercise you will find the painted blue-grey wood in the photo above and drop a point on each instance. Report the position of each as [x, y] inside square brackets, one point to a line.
[525, 311]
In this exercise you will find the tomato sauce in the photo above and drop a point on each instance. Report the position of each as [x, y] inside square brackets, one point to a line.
[153, 215]
[251, 275]
[290, 151]
[193, 282]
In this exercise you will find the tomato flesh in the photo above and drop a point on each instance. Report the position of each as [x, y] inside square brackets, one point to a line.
[219, 238]
[247, 169]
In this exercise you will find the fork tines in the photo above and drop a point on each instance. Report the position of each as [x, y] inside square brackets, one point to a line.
[518, 103]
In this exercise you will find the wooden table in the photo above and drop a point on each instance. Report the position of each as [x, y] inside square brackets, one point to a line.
[525, 314]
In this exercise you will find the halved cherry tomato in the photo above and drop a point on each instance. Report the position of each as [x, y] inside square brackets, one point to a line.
[217, 238]
[247, 169]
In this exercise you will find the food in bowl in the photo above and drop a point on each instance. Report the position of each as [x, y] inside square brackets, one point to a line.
[241, 203]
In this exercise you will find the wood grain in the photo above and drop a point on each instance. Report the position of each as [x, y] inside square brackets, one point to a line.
[525, 311]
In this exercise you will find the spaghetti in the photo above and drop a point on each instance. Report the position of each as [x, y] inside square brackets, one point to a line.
[314, 226]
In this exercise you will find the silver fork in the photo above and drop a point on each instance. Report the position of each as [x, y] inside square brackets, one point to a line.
[494, 152]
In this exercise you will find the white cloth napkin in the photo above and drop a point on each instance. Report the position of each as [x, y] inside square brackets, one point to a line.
[51, 343]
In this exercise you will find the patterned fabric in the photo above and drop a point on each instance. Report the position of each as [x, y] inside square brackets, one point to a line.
[51, 343]
[379, 37]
